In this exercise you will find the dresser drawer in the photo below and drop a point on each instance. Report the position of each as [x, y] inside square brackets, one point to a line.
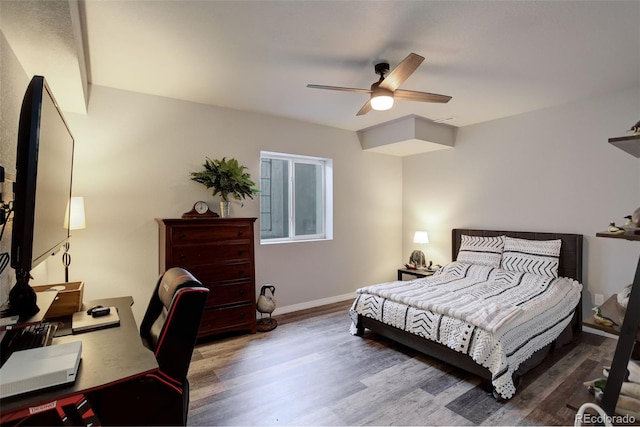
[208, 233]
[223, 273]
[229, 318]
[192, 255]
[230, 294]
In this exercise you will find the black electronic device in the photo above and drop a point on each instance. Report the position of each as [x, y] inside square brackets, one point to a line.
[95, 307]
[102, 311]
[98, 311]
[32, 336]
[44, 165]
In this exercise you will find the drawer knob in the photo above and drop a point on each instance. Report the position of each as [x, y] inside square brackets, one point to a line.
[240, 272]
[241, 292]
[182, 256]
[182, 235]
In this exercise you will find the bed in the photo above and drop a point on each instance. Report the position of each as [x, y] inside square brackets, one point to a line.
[504, 302]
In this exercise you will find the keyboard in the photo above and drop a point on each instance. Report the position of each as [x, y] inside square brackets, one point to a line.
[32, 336]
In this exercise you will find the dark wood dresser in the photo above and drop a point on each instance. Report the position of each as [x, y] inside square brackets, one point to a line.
[219, 252]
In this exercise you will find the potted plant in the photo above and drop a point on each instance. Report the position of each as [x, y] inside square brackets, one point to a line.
[227, 178]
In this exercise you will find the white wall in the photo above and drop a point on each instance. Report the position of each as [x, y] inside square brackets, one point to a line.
[133, 156]
[549, 170]
[13, 81]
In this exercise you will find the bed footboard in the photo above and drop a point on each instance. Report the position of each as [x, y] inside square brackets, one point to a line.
[430, 348]
[452, 357]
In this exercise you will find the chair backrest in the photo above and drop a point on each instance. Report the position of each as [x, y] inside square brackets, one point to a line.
[170, 325]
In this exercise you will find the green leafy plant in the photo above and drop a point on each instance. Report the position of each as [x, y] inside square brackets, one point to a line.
[227, 178]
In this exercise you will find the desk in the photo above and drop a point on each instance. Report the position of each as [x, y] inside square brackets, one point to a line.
[44, 301]
[109, 356]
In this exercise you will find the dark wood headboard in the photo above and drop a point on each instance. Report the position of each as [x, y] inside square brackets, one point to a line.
[570, 250]
[570, 254]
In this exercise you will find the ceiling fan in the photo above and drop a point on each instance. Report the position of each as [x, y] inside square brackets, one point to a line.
[385, 90]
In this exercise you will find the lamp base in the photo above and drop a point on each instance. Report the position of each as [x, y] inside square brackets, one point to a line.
[22, 300]
[266, 325]
[418, 259]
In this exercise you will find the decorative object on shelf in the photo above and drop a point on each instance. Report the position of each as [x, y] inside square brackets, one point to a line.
[622, 297]
[613, 228]
[635, 129]
[635, 217]
[74, 219]
[603, 320]
[227, 178]
[632, 225]
[200, 210]
[266, 304]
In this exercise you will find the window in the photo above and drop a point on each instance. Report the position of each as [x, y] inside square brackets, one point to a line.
[296, 198]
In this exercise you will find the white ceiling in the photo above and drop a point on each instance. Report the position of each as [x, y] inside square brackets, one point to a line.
[495, 58]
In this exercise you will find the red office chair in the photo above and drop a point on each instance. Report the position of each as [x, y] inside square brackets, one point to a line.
[169, 329]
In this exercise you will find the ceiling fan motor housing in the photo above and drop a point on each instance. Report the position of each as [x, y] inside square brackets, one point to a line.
[382, 68]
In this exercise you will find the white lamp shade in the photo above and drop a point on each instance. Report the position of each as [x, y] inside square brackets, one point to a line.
[421, 237]
[381, 99]
[77, 220]
[381, 103]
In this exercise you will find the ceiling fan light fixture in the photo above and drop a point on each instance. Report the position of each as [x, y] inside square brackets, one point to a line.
[383, 92]
[382, 99]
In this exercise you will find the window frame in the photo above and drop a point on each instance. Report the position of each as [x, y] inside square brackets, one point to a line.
[326, 165]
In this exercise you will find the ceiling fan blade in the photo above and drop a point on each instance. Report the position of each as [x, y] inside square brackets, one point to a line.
[411, 95]
[365, 109]
[398, 75]
[344, 89]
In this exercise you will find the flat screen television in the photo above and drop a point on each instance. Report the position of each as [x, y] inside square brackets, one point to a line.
[44, 165]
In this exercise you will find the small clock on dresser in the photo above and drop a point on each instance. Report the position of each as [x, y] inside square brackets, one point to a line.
[200, 210]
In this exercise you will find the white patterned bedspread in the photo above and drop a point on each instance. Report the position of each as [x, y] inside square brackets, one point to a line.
[499, 318]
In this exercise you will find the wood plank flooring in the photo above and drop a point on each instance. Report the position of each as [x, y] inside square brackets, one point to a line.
[311, 371]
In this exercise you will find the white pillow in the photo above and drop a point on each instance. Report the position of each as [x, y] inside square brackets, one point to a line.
[541, 257]
[481, 250]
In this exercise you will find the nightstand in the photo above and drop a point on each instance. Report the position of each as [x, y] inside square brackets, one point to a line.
[415, 273]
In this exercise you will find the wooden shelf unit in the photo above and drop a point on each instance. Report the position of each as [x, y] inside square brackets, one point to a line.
[630, 144]
[613, 311]
[628, 333]
[624, 236]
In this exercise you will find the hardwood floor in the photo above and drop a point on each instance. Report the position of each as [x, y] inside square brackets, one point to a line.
[311, 371]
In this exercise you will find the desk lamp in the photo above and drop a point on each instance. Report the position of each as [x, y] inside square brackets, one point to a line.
[73, 221]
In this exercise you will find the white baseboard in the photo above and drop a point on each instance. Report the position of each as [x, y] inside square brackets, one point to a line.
[598, 332]
[313, 304]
